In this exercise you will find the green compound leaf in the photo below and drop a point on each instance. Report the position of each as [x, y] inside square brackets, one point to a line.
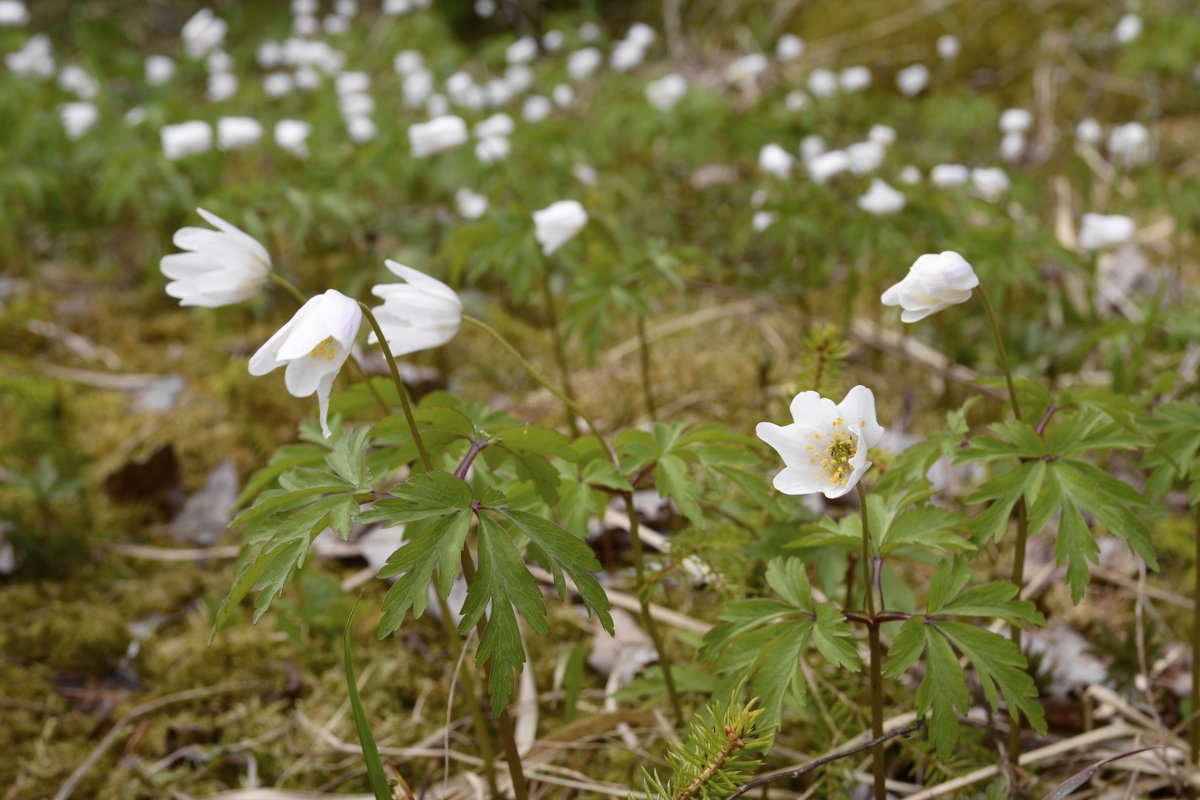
[426, 494]
[437, 545]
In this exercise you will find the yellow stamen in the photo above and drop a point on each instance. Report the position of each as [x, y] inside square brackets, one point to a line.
[326, 349]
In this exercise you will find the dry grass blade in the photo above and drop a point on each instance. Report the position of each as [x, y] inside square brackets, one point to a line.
[1083, 776]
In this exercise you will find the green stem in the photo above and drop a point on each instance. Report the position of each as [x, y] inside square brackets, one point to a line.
[288, 287]
[1018, 573]
[400, 390]
[1195, 738]
[1000, 351]
[877, 755]
[648, 617]
[644, 351]
[560, 352]
[533, 373]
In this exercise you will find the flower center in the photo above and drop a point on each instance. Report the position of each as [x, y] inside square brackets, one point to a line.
[839, 447]
[327, 349]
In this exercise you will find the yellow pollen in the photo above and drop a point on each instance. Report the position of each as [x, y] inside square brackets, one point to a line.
[836, 458]
[326, 349]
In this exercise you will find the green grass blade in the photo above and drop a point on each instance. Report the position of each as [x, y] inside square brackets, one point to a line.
[375, 773]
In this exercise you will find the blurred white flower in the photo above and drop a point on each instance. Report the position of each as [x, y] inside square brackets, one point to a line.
[135, 116]
[584, 173]
[519, 77]
[305, 25]
[789, 47]
[811, 146]
[269, 54]
[1129, 144]
[1016, 120]
[361, 129]
[437, 106]
[1129, 27]
[582, 63]
[418, 87]
[356, 105]
[418, 314]
[34, 59]
[758, 198]
[220, 267]
[1012, 146]
[948, 47]
[186, 138]
[989, 182]
[881, 199]
[589, 31]
[485, 8]
[522, 51]
[854, 79]
[762, 220]
[470, 205]
[796, 100]
[352, 83]
[159, 69]
[346, 8]
[78, 118]
[626, 55]
[553, 40]
[395, 8]
[912, 80]
[235, 132]
[825, 448]
[945, 176]
[335, 24]
[934, 282]
[865, 157]
[74, 79]
[491, 149]
[13, 13]
[1088, 130]
[774, 160]
[496, 125]
[536, 108]
[563, 95]
[746, 68]
[203, 32]
[665, 92]
[277, 84]
[640, 34]
[219, 61]
[313, 345]
[221, 86]
[1098, 231]
[558, 223]
[307, 78]
[292, 136]
[304, 6]
[437, 135]
[497, 92]
[407, 62]
[822, 82]
[882, 134]
[910, 175]
[828, 164]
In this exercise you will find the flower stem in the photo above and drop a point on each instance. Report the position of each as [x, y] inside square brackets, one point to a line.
[560, 352]
[648, 617]
[288, 287]
[400, 390]
[644, 350]
[877, 755]
[1000, 351]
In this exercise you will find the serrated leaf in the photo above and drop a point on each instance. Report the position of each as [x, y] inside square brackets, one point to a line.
[1106, 498]
[436, 546]
[999, 665]
[833, 638]
[1075, 546]
[775, 666]
[994, 600]
[675, 481]
[349, 458]
[529, 438]
[944, 691]
[947, 581]
[426, 494]
[788, 578]
[906, 648]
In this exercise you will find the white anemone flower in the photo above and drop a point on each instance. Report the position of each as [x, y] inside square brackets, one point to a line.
[558, 223]
[948, 47]
[912, 80]
[418, 314]
[1098, 231]
[789, 47]
[221, 267]
[774, 160]
[934, 282]
[825, 448]
[186, 139]
[881, 199]
[439, 134]
[313, 345]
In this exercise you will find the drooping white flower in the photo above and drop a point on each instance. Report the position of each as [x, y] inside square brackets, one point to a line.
[416, 315]
[396, 8]
[1129, 27]
[1098, 231]
[13, 13]
[186, 138]
[235, 132]
[558, 223]
[135, 116]
[912, 80]
[485, 8]
[219, 61]
[418, 87]
[641, 34]
[496, 125]
[822, 82]
[470, 205]
[589, 31]
[825, 447]
[789, 47]
[313, 345]
[774, 160]
[881, 199]
[307, 78]
[159, 69]
[945, 176]
[292, 135]
[362, 129]
[626, 55]
[78, 118]
[305, 25]
[948, 47]
[665, 92]
[1088, 130]
[437, 135]
[824, 166]
[865, 157]
[583, 63]
[519, 77]
[203, 33]
[1015, 120]
[854, 79]
[221, 267]
[934, 282]
[989, 182]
